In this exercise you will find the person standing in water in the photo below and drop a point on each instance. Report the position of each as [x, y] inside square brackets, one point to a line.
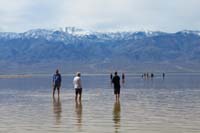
[163, 75]
[123, 78]
[116, 82]
[57, 79]
[111, 76]
[77, 86]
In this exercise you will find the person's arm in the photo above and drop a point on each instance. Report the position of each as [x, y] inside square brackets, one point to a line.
[60, 79]
[79, 82]
[74, 82]
[113, 80]
[53, 81]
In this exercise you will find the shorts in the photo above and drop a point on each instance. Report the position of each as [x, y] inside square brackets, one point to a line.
[56, 86]
[117, 91]
[78, 91]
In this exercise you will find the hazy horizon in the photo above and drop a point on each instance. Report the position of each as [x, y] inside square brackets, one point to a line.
[98, 31]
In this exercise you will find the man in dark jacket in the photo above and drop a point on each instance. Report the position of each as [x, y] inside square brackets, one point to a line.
[116, 82]
[57, 79]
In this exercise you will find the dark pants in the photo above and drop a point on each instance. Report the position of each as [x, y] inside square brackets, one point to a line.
[78, 91]
[117, 91]
[56, 86]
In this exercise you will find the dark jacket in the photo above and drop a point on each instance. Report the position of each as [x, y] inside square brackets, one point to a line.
[57, 79]
[116, 82]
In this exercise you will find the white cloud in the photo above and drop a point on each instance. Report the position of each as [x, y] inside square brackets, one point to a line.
[171, 15]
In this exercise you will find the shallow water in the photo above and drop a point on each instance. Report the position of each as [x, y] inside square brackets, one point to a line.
[146, 106]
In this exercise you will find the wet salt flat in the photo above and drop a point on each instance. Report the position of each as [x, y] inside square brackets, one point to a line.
[146, 106]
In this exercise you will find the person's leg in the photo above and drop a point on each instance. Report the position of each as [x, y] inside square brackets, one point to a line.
[58, 89]
[117, 97]
[54, 89]
[79, 98]
[117, 94]
[80, 94]
[76, 94]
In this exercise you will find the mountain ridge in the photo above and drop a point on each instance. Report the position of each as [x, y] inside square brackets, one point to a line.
[99, 51]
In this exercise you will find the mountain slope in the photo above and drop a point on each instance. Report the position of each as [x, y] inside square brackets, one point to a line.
[42, 48]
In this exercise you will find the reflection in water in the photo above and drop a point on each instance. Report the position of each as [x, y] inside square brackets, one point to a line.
[116, 115]
[169, 106]
[57, 109]
[78, 111]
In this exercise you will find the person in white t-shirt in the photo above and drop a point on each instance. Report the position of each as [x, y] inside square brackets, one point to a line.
[77, 86]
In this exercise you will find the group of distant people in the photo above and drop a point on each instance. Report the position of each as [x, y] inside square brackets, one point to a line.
[150, 75]
[57, 79]
[147, 75]
[115, 80]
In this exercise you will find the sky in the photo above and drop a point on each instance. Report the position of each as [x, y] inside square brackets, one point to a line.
[100, 15]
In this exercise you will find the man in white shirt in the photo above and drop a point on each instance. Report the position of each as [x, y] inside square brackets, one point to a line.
[77, 86]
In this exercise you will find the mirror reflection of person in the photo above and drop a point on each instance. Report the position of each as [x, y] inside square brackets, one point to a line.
[78, 111]
[57, 109]
[116, 115]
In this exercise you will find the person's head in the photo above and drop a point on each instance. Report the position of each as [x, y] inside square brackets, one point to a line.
[57, 71]
[78, 74]
[116, 73]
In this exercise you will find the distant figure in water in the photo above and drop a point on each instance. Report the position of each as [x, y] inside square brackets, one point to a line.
[111, 76]
[57, 79]
[152, 75]
[116, 82]
[77, 86]
[147, 75]
[123, 78]
[163, 75]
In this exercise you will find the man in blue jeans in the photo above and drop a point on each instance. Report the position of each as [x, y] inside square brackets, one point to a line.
[57, 79]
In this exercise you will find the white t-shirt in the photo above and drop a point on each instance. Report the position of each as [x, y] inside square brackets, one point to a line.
[77, 82]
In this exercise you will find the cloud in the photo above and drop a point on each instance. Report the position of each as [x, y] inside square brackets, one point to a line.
[102, 15]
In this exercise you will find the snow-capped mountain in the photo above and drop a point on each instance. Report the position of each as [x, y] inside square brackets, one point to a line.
[72, 32]
[77, 45]
[190, 32]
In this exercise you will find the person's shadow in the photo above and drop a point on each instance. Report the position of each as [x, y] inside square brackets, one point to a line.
[78, 111]
[116, 115]
[57, 109]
